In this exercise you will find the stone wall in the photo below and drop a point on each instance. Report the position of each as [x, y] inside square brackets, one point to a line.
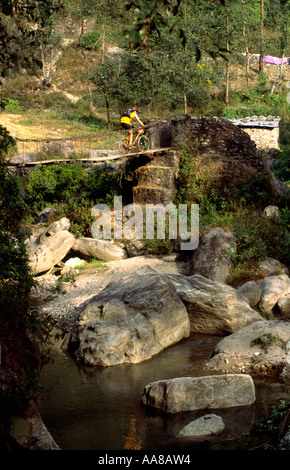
[225, 150]
[265, 139]
[218, 140]
[263, 130]
[157, 180]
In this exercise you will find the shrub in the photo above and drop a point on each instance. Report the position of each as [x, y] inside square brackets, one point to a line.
[91, 40]
[281, 168]
[197, 184]
[237, 207]
[73, 191]
[23, 334]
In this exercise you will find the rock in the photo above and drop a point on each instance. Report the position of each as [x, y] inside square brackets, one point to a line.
[57, 226]
[40, 233]
[156, 181]
[51, 251]
[135, 248]
[22, 158]
[206, 426]
[29, 431]
[272, 212]
[223, 147]
[212, 258]
[282, 189]
[99, 249]
[45, 215]
[213, 308]
[72, 263]
[259, 347]
[284, 305]
[272, 288]
[198, 393]
[61, 148]
[132, 319]
[271, 267]
[251, 291]
[285, 442]
[159, 133]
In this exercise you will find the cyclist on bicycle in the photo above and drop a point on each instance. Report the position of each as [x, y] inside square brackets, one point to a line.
[126, 119]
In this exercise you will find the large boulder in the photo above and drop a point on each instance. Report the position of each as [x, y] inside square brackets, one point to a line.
[212, 258]
[98, 249]
[213, 308]
[272, 212]
[198, 393]
[259, 348]
[272, 289]
[51, 251]
[41, 231]
[131, 320]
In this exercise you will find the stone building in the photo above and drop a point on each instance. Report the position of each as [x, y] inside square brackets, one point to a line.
[264, 131]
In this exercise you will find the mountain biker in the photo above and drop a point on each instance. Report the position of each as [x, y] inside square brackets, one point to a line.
[126, 119]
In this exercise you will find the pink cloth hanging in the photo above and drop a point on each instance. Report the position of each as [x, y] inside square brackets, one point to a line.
[275, 60]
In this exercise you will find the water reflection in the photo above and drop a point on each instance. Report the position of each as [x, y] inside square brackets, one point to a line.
[100, 408]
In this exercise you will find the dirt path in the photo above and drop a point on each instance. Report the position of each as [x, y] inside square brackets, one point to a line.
[17, 129]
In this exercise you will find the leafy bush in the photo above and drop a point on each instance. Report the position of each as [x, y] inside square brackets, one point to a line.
[91, 40]
[23, 333]
[237, 207]
[273, 426]
[196, 184]
[281, 168]
[13, 106]
[72, 190]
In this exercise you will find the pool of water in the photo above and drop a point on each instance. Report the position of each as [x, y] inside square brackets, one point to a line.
[100, 408]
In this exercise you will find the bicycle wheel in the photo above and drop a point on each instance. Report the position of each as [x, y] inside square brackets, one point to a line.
[122, 145]
[143, 143]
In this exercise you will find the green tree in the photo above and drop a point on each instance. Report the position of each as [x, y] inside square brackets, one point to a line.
[19, 39]
[76, 16]
[106, 78]
[278, 18]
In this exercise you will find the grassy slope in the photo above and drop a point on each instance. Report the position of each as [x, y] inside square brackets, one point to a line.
[63, 110]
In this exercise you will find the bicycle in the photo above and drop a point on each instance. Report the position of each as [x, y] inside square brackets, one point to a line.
[140, 142]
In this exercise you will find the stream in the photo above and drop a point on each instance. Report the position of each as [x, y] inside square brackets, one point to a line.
[100, 408]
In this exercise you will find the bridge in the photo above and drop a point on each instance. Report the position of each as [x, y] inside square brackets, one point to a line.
[151, 153]
[156, 177]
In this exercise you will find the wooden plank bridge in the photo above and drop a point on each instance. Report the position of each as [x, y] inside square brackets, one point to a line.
[151, 153]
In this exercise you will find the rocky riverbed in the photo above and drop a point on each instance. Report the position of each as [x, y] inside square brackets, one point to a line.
[250, 342]
[129, 308]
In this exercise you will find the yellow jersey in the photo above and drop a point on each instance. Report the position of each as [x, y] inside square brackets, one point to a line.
[126, 119]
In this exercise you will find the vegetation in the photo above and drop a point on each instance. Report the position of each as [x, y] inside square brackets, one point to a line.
[236, 206]
[72, 191]
[172, 55]
[271, 428]
[267, 340]
[23, 335]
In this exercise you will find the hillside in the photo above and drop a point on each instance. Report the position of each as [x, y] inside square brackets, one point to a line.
[32, 111]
